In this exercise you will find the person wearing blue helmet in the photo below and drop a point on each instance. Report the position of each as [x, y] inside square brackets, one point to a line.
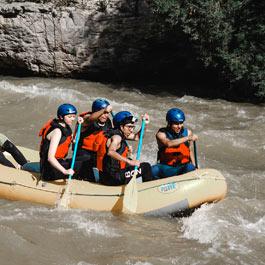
[112, 157]
[175, 157]
[95, 124]
[56, 139]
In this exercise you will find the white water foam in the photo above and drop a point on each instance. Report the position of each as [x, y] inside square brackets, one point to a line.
[236, 234]
[191, 99]
[232, 138]
[199, 226]
[137, 263]
[82, 263]
[241, 113]
[76, 219]
[255, 227]
[63, 94]
[42, 90]
[89, 227]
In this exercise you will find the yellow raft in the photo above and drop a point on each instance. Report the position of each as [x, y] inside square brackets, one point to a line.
[164, 196]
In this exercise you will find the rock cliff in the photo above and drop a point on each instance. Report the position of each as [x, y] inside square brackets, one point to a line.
[94, 39]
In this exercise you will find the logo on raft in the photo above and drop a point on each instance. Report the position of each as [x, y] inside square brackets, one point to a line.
[167, 188]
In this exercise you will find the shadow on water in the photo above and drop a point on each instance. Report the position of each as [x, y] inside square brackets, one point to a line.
[185, 213]
[148, 56]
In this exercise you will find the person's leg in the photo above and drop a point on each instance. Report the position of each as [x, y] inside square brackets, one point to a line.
[5, 161]
[163, 171]
[144, 172]
[13, 150]
[125, 175]
[49, 173]
[187, 168]
[169, 171]
[31, 167]
[116, 180]
[83, 169]
[156, 171]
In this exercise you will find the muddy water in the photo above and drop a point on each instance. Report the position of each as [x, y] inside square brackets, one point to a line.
[231, 139]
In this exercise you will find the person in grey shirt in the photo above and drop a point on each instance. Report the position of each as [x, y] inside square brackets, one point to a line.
[8, 146]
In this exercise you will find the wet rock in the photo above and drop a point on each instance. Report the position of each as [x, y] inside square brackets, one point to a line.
[93, 39]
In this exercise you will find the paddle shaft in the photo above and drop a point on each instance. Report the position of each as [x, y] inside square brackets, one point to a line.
[195, 154]
[75, 148]
[139, 148]
[131, 192]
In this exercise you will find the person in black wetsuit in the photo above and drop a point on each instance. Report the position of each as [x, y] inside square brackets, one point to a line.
[95, 124]
[57, 137]
[8, 146]
[112, 157]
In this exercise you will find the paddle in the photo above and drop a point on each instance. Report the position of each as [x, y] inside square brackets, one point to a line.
[64, 200]
[195, 154]
[130, 194]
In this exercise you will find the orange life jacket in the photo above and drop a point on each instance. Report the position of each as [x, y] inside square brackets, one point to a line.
[106, 163]
[65, 141]
[91, 138]
[173, 156]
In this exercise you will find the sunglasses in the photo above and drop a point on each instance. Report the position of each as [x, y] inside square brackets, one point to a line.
[129, 126]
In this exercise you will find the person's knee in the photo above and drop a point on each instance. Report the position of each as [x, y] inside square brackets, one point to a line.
[146, 171]
[14, 151]
[5, 161]
[190, 167]
[8, 146]
[155, 171]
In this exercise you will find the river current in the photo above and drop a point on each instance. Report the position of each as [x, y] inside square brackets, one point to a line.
[231, 139]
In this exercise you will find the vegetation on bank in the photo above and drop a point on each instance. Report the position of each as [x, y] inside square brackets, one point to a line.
[228, 35]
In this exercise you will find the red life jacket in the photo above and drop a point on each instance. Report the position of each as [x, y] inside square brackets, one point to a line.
[107, 164]
[173, 156]
[91, 137]
[65, 141]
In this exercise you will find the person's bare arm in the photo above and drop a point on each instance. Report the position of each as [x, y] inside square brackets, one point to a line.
[54, 138]
[164, 141]
[194, 137]
[113, 146]
[95, 115]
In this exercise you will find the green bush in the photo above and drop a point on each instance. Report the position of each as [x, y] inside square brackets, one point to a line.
[228, 35]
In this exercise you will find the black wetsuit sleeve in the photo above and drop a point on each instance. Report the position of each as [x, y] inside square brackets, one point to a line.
[17, 155]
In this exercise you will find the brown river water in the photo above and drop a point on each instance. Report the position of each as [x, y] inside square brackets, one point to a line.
[231, 139]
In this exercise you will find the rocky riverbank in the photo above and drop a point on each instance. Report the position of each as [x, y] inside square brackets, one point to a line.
[110, 40]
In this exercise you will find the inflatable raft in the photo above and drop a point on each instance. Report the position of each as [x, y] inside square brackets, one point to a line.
[164, 196]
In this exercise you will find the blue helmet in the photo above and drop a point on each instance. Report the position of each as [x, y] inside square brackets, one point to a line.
[66, 109]
[175, 115]
[122, 118]
[99, 104]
